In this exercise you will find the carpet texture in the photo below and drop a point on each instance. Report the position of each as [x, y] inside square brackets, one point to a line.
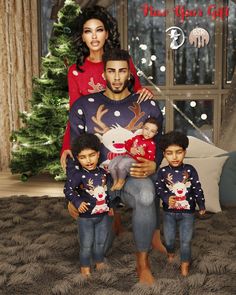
[39, 254]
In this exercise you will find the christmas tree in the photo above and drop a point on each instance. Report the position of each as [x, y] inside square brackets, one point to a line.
[36, 146]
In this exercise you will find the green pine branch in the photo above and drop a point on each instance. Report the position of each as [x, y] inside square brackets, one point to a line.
[36, 146]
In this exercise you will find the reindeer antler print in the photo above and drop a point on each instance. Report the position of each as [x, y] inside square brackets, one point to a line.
[169, 179]
[136, 109]
[101, 111]
[91, 187]
[103, 180]
[185, 176]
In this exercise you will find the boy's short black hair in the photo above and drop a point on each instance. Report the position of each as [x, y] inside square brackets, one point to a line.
[152, 120]
[115, 54]
[86, 141]
[173, 138]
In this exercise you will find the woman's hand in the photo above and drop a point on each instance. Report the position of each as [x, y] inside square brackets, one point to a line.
[143, 169]
[144, 94]
[63, 158]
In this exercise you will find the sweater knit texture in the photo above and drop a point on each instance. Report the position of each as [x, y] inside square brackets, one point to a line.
[91, 80]
[114, 122]
[183, 183]
[88, 186]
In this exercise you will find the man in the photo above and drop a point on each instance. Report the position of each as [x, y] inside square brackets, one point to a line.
[115, 116]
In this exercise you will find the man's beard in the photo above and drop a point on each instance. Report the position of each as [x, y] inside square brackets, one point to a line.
[117, 90]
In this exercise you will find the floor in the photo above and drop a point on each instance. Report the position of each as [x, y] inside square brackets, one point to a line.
[11, 185]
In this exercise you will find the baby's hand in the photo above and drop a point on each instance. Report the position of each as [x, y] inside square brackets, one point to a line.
[172, 201]
[134, 151]
[202, 212]
[141, 150]
[83, 207]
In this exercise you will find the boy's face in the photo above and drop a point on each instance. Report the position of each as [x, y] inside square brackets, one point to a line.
[88, 159]
[149, 130]
[174, 155]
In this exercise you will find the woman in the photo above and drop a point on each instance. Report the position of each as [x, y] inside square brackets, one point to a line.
[97, 32]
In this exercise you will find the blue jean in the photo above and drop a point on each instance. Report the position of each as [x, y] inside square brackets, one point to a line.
[185, 222]
[93, 233]
[139, 194]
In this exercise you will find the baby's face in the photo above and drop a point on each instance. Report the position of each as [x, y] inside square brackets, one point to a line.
[149, 130]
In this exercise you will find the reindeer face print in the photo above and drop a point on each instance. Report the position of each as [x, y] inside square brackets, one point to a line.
[88, 159]
[99, 193]
[179, 189]
[174, 155]
[114, 137]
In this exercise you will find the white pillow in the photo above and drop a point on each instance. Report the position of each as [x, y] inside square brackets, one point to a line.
[200, 149]
[209, 171]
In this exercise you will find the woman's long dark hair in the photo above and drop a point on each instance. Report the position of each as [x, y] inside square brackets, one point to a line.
[110, 24]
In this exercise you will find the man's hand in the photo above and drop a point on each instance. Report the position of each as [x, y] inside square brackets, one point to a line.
[143, 169]
[172, 201]
[83, 207]
[63, 158]
[144, 94]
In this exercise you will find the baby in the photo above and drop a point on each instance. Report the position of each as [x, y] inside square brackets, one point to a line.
[139, 146]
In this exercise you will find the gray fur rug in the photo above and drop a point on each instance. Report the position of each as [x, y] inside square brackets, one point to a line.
[39, 254]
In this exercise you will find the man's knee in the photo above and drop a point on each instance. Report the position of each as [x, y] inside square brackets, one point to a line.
[145, 198]
[144, 193]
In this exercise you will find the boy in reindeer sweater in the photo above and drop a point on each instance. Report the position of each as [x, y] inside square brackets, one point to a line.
[179, 188]
[86, 189]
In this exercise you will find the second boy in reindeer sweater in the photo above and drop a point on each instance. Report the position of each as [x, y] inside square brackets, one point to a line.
[179, 188]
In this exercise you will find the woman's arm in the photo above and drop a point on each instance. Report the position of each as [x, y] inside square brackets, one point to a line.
[73, 85]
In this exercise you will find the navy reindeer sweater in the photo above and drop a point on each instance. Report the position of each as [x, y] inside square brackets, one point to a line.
[87, 186]
[183, 183]
[114, 122]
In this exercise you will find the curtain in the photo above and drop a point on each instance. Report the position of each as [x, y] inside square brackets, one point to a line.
[19, 63]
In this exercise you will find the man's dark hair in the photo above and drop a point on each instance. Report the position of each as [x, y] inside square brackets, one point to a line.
[173, 138]
[115, 54]
[86, 141]
[152, 120]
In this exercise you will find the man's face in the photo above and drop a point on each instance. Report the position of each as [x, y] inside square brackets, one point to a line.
[117, 75]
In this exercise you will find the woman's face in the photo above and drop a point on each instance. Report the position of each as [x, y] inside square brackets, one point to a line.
[94, 34]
